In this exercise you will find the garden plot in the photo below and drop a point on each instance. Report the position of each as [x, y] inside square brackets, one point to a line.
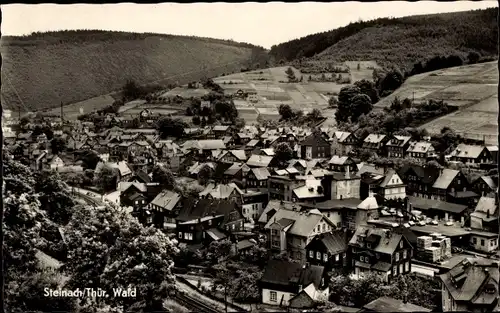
[488, 105]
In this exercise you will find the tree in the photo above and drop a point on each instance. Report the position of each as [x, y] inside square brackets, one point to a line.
[203, 122]
[164, 176]
[333, 102]
[109, 249]
[204, 175]
[473, 57]
[391, 81]
[344, 108]
[54, 196]
[169, 127]
[226, 109]
[315, 115]
[57, 145]
[368, 88]
[90, 159]
[131, 91]
[196, 120]
[290, 74]
[218, 251]
[361, 104]
[286, 112]
[283, 153]
[106, 178]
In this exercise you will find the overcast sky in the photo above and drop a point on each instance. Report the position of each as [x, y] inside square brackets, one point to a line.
[264, 24]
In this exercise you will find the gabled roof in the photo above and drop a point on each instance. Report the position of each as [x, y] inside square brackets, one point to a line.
[467, 281]
[123, 186]
[467, 151]
[370, 203]
[335, 242]
[341, 136]
[426, 204]
[239, 154]
[259, 160]
[374, 138]
[388, 239]
[387, 304]
[221, 191]
[261, 173]
[444, 180]
[220, 128]
[486, 205]
[314, 139]
[290, 273]
[426, 175]
[234, 169]
[166, 199]
[388, 176]
[398, 141]
[489, 181]
[199, 208]
[304, 221]
[205, 144]
[420, 147]
[338, 160]
[268, 151]
[276, 205]
[121, 166]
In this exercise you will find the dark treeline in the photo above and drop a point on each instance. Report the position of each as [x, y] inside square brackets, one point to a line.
[473, 30]
[84, 35]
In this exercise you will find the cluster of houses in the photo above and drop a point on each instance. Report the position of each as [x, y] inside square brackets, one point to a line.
[323, 209]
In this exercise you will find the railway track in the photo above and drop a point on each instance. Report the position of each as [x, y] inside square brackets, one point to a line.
[194, 304]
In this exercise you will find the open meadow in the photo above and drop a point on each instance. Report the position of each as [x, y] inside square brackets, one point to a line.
[472, 88]
[272, 88]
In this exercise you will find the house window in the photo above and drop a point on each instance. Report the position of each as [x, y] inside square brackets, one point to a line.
[232, 227]
[367, 260]
[337, 257]
[180, 235]
[482, 242]
[401, 244]
[362, 258]
[401, 268]
[325, 257]
[274, 232]
[150, 219]
[324, 226]
[318, 255]
[311, 254]
[394, 270]
[209, 222]
[397, 256]
[273, 296]
[474, 240]
[404, 254]
[407, 266]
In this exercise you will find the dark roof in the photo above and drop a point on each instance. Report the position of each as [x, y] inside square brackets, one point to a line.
[143, 176]
[284, 222]
[334, 204]
[387, 304]
[334, 242]
[220, 169]
[426, 204]
[467, 280]
[198, 208]
[426, 174]
[314, 140]
[289, 273]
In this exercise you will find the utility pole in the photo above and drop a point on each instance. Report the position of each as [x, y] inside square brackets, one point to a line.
[413, 96]
[62, 114]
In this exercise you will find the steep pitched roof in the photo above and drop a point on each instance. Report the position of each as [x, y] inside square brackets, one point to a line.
[398, 141]
[467, 151]
[304, 221]
[166, 199]
[314, 139]
[338, 160]
[198, 208]
[221, 191]
[420, 147]
[334, 242]
[467, 281]
[374, 138]
[261, 173]
[388, 239]
[259, 160]
[387, 304]
[290, 273]
[206, 144]
[444, 180]
[388, 176]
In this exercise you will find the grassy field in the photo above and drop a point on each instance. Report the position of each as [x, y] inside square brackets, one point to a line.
[43, 74]
[72, 111]
[473, 88]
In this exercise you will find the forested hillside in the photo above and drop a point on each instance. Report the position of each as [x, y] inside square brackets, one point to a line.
[400, 41]
[44, 69]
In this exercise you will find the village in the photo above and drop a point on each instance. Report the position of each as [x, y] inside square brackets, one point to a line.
[295, 204]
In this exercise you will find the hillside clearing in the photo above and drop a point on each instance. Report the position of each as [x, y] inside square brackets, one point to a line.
[473, 88]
